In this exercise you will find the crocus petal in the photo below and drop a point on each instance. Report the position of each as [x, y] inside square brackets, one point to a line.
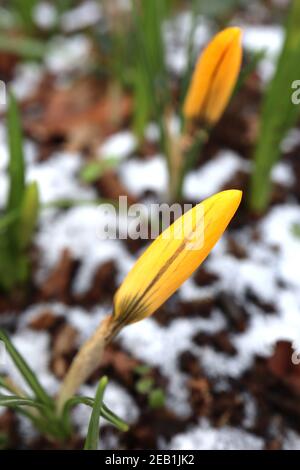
[214, 77]
[173, 257]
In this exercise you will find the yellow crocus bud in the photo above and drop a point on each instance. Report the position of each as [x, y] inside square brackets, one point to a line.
[173, 257]
[214, 77]
[164, 266]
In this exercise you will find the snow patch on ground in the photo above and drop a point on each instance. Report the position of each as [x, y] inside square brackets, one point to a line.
[140, 175]
[268, 38]
[27, 77]
[78, 230]
[82, 16]
[211, 176]
[277, 230]
[57, 178]
[204, 437]
[45, 15]
[283, 174]
[68, 54]
[119, 145]
[161, 346]
[177, 36]
[291, 140]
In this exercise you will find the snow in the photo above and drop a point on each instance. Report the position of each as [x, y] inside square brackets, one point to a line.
[58, 178]
[68, 54]
[204, 437]
[27, 77]
[152, 132]
[119, 145]
[86, 322]
[267, 38]
[142, 175]
[78, 231]
[147, 340]
[260, 273]
[292, 441]
[82, 16]
[283, 174]
[177, 36]
[45, 15]
[277, 230]
[211, 176]
[291, 140]
[248, 274]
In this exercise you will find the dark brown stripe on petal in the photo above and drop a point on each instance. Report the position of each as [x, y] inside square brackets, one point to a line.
[137, 306]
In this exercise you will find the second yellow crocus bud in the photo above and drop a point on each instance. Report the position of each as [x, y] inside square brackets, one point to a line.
[214, 77]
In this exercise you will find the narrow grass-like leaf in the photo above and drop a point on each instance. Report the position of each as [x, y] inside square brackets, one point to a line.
[7, 267]
[67, 203]
[41, 422]
[14, 401]
[105, 412]
[8, 219]
[28, 214]
[4, 440]
[92, 438]
[24, 9]
[16, 162]
[150, 79]
[279, 113]
[7, 384]
[113, 418]
[189, 52]
[26, 371]
[14, 263]
[27, 48]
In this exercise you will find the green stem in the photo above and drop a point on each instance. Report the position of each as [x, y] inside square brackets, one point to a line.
[68, 203]
[91, 442]
[190, 159]
[279, 114]
[105, 413]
